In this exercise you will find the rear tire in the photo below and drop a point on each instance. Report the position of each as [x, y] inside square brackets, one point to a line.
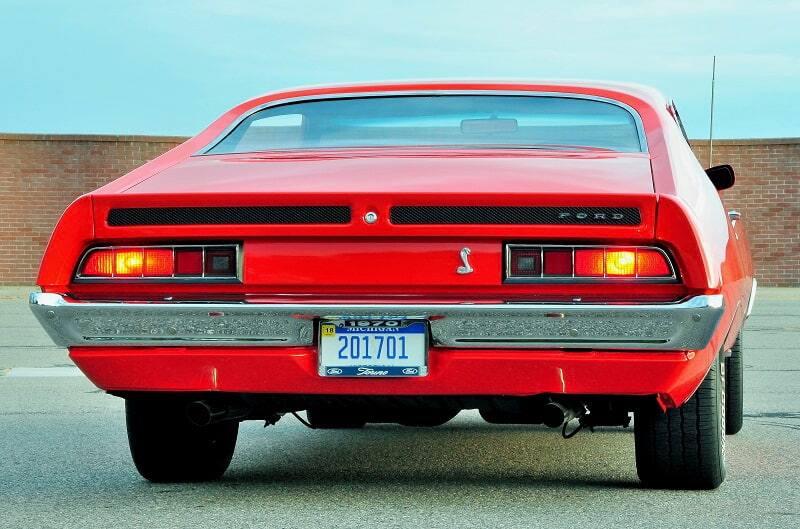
[684, 448]
[334, 418]
[734, 389]
[166, 447]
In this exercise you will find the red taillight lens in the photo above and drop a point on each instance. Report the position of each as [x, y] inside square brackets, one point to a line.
[189, 262]
[652, 263]
[590, 263]
[99, 263]
[604, 262]
[159, 262]
[558, 262]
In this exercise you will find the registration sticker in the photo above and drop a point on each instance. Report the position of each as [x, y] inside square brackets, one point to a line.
[328, 329]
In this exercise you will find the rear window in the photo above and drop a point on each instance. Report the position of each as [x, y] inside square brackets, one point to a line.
[459, 121]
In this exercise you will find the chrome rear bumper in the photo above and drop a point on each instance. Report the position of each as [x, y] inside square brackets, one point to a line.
[686, 325]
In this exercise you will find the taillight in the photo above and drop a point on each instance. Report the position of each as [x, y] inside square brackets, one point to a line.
[528, 263]
[652, 263]
[128, 262]
[189, 262]
[620, 263]
[98, 264]
[160, 262]
[590, 262]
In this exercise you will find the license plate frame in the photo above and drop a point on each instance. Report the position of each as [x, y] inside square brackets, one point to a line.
[415, 343]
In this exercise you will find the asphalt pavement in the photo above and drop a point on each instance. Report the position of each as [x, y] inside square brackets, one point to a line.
[64, 458]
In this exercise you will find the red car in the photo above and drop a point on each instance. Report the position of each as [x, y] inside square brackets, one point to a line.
[546, 253]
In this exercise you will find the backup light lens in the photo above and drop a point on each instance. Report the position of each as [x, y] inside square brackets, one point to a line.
[198, 262]
[220, 262]
[526, 263]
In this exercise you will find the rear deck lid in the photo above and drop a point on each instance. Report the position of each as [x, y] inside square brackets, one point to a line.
[508, 194]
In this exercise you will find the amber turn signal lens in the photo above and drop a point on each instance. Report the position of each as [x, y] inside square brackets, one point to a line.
[128, 263]
[620, 263]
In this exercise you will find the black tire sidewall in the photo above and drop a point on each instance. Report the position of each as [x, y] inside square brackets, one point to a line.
[734, 389]
[684, 447]
[166, 447]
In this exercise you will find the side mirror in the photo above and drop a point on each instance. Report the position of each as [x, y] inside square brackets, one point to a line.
[722, 176]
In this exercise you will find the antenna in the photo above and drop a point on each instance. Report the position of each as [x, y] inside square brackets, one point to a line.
[711, 123]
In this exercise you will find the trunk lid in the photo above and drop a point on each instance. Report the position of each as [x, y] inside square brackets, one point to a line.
[475, 172]
[468, 186]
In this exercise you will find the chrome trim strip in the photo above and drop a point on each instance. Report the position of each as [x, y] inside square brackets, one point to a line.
[752, 299]
[390, 93]
[684, 325]
[541, 278]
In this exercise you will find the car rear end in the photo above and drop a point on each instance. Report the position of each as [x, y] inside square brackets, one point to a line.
[499, 288]
[389, 284]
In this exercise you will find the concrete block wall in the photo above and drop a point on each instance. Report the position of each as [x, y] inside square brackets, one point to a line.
[41, 174]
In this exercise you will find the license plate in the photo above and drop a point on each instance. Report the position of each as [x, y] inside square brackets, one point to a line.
[373, 348]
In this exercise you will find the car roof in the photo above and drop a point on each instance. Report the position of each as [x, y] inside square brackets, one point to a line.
[646, 93]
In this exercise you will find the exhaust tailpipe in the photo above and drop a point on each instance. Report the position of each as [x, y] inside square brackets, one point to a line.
[555, 414]
[205, 413]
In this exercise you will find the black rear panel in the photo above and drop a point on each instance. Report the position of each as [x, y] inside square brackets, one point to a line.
[229, 215]
[515, 215]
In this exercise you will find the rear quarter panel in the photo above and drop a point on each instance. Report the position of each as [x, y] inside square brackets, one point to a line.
[723, 251]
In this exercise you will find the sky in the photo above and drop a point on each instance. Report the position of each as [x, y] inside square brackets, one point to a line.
[172, 66]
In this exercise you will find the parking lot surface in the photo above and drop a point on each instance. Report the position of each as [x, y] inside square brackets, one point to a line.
[64, 458]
